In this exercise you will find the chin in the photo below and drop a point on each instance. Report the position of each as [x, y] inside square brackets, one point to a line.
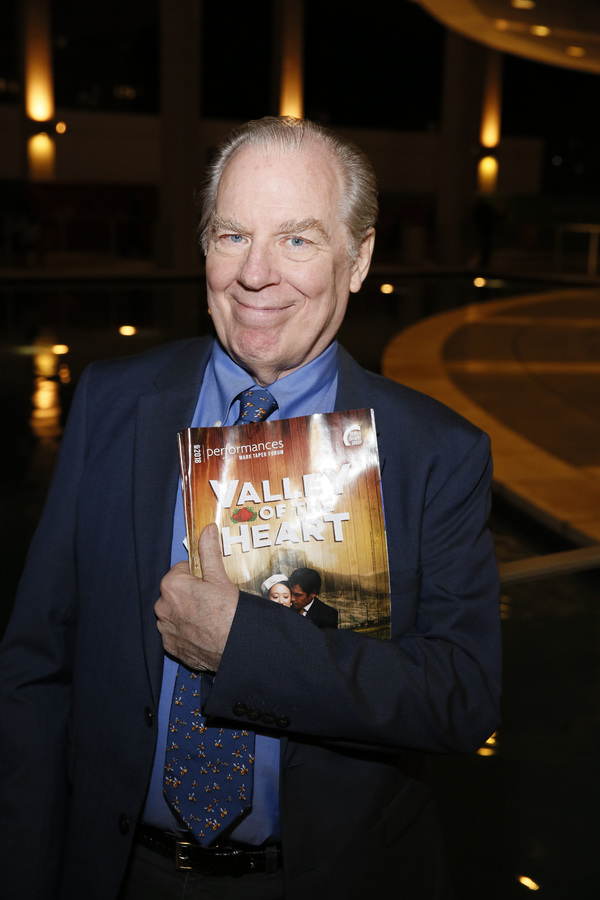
[262, 348]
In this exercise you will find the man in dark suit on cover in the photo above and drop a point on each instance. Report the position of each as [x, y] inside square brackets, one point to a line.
[337, 723]
[305, 584]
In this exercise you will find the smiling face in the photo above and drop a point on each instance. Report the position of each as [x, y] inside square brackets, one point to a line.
[277, 269]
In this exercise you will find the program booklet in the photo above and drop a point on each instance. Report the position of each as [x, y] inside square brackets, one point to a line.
[292, 493]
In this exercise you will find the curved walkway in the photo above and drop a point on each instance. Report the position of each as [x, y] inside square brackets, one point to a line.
[527, 371]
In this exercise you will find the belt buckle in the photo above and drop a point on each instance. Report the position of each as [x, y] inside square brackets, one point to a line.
[182, 861]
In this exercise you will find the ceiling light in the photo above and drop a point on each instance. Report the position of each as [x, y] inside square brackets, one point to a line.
[522, 4]
[540, 30]
[575, 51]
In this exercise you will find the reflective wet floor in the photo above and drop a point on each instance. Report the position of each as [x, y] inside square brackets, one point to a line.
[520, 815]
[523, 813]
[527, 370]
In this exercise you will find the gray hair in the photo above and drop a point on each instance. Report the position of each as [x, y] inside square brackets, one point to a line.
[358, 204]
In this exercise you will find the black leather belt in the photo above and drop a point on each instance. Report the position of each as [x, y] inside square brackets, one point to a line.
[229, 858]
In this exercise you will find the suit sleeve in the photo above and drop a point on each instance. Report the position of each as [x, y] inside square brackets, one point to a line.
[36, 659]
[434, 686]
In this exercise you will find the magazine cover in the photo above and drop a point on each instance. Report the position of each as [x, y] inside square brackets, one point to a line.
[302, 492]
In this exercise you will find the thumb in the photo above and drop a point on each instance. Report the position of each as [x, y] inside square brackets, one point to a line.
[209, 551]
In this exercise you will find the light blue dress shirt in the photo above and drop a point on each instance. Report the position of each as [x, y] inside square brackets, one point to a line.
[311, 389]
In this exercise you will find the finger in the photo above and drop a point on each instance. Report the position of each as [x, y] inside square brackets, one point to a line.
[175, 573]
[180, 568]
[209, 551]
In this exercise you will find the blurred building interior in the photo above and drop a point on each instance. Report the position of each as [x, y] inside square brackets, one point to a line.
[443, 95]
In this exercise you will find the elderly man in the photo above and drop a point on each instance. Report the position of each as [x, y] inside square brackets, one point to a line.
[98, 675]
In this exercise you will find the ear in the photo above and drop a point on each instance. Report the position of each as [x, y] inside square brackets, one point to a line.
[361, 264]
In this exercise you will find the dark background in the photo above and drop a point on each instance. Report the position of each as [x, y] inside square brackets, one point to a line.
[375, 66]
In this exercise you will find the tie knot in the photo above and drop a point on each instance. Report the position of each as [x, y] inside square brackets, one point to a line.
[256, 404]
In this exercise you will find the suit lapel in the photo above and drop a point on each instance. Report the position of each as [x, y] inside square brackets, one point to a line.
[162, 412]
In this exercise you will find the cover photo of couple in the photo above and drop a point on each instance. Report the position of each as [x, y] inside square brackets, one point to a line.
[299, 592]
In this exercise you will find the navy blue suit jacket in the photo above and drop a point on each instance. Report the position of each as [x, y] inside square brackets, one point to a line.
[322, 614]
[81, 661]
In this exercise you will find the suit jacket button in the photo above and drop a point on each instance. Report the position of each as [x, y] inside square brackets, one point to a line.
[149, 717]
[254, 714]
[283, 721]
[240, 709]
[268, 718]
[124, 823]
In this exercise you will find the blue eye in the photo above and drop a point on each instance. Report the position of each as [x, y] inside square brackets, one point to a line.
[236, 238]
[297, 242]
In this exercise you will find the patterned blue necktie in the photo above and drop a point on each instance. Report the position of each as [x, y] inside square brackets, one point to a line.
[208, 769]
[256, 405]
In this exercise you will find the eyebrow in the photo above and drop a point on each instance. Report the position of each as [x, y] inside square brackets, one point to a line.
[220, 224]
[291, 226]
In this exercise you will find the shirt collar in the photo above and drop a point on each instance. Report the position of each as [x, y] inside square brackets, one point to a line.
[310, 389]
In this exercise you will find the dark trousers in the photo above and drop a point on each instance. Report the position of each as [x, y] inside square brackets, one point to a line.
[151, 876]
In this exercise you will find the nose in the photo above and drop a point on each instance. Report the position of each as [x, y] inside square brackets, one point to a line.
[259, 268]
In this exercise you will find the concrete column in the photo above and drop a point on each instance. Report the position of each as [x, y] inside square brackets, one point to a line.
[176, 245]
[491, 122]
[288, 32]
[39, 83]
[459, 146]
[491, 112]
[38, 94]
